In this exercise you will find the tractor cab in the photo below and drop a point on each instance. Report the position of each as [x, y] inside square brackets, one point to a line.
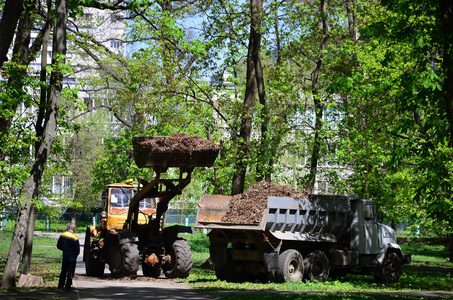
[116, 199]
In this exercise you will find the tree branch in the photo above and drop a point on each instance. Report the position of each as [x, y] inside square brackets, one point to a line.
[103, 106]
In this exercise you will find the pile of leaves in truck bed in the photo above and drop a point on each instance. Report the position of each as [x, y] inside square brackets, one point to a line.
[179, 142]
[248, 208]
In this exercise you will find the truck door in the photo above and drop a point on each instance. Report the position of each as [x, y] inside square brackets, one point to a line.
[372, 237]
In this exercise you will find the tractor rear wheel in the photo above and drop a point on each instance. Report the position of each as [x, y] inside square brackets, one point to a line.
[181, 260]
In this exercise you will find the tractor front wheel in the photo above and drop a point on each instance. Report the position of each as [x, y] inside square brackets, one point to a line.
[181, 260]
[125, 260]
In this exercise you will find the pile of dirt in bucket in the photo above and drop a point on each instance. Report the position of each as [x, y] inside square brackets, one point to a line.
[248, 208]
[178, 142]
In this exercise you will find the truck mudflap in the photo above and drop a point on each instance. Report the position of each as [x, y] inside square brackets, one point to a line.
[407, 259]
[271, 261]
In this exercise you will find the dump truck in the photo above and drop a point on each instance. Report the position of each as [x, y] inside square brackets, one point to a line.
[308, 238]
[131, 232]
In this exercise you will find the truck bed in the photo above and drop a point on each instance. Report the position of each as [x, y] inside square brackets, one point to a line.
[320, 218]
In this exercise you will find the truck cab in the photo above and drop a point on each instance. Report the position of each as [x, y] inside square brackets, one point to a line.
[366, 237]
[373, 241]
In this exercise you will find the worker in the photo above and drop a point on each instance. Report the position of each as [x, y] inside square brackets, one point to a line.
[69, 244]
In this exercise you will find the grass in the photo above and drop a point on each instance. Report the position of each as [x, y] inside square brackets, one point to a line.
[419, 276]
[46, 258]
[416, 277]
[428, 255]
[317, 296]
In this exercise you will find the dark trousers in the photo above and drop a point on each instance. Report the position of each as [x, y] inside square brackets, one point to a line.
[66, 275]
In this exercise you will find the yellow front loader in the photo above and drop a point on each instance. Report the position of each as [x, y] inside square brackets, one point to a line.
[130, 233]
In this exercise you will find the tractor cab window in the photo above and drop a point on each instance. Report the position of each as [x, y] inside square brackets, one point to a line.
[119, 200]
[147, 203]
[148, 206]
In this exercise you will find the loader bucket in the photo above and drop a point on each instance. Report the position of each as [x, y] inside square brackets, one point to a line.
[148, 155]
[212, 208]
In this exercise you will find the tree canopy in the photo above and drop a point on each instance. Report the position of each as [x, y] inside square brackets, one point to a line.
[335, 96]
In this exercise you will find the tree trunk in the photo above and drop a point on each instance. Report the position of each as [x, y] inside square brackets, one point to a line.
[28, 245]
[15, 249]
[249, 104]
[263, 155]
[11, 13]
[43, 79]
[318, 105]
[449, 246]
[272, 143]
[22, 55]
[32, 183]
[446, 9]
[351, 8]
[350, 11]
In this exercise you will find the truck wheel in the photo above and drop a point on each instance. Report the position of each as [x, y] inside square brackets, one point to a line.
[316, 266]
[93, 266]
[151, 271]
[390, 271]
[124, 260]
[290, 266]
[181, 260]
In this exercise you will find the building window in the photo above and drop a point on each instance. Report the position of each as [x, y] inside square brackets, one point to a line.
[62, 185]
[57, 185]
[67, 185]
[88, 16]
[115, 44]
